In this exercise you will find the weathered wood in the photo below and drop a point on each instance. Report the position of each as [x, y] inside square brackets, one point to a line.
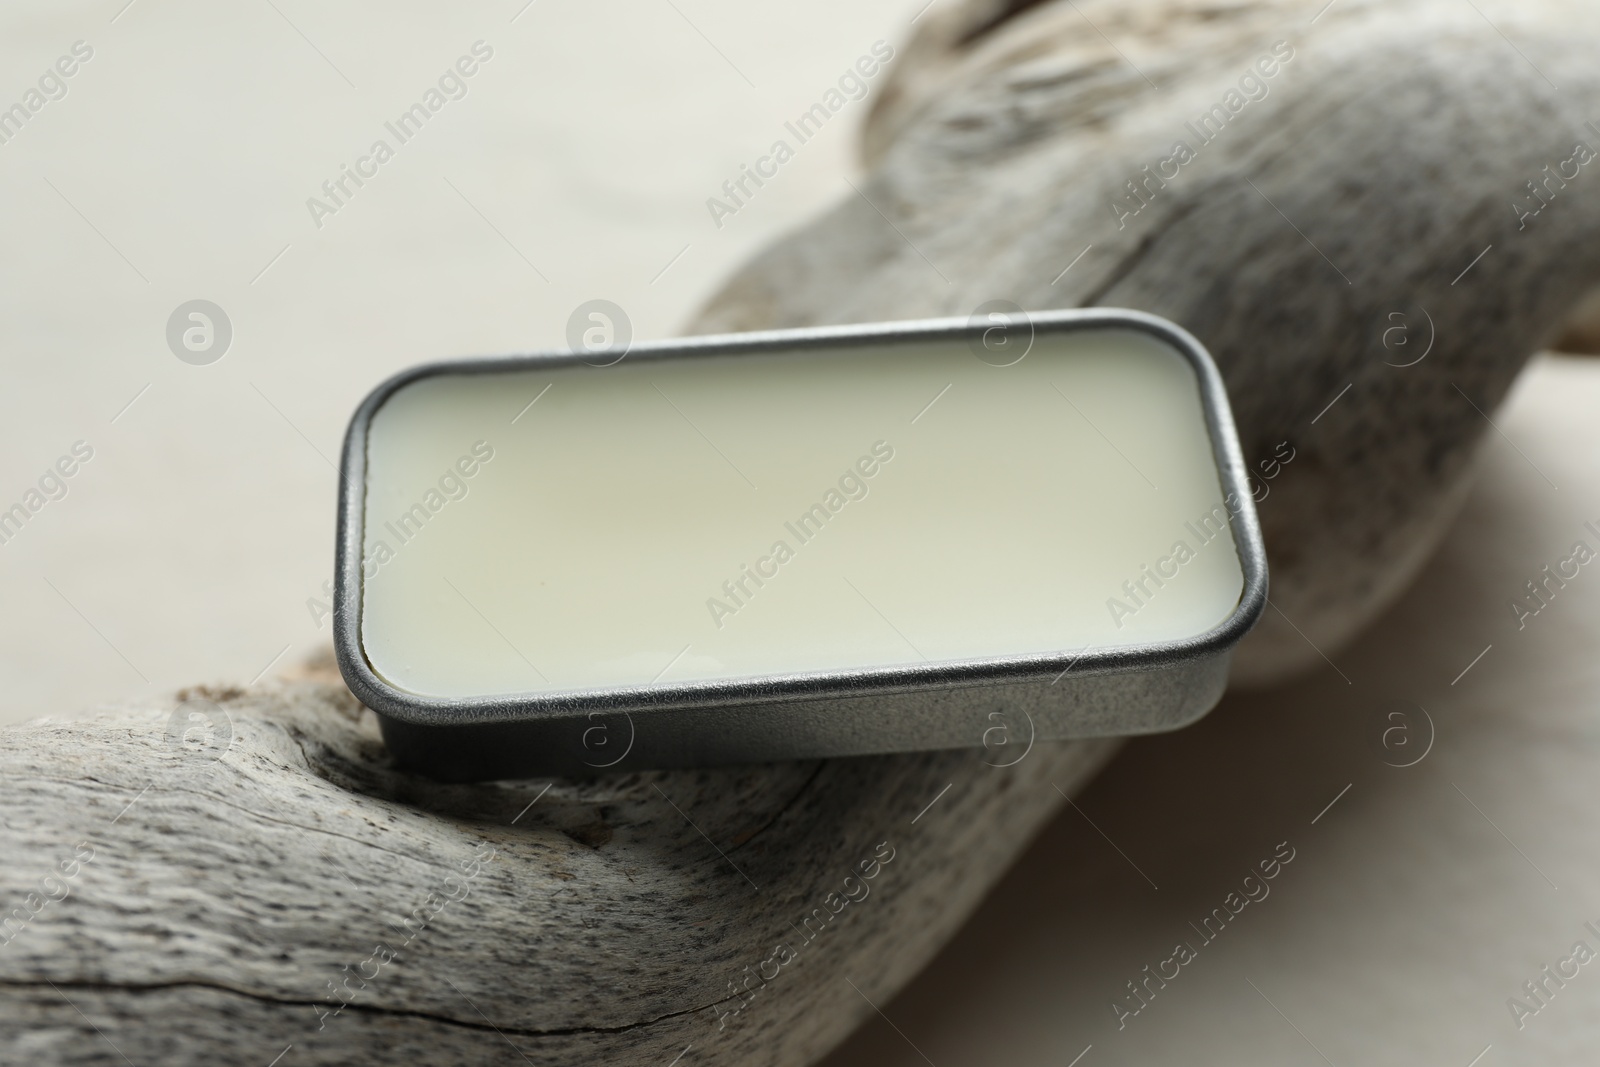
[1384, 160]
[269, 882]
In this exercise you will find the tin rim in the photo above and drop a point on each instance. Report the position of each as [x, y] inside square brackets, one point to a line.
[417, 709]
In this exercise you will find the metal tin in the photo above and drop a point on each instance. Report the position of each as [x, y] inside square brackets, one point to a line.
[1128, 690]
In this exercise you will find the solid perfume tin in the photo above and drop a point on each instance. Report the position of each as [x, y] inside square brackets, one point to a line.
[795, 544]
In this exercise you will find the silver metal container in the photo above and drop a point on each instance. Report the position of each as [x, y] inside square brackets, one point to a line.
[1006, 702]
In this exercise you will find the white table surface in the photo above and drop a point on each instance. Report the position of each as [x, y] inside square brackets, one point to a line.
[178, 167]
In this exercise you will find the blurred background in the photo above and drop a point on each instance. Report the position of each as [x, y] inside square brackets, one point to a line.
[195, 543]
[178, 166]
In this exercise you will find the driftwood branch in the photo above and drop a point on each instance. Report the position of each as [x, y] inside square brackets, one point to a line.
[1307, 210]
[221, 878]
[217, 882]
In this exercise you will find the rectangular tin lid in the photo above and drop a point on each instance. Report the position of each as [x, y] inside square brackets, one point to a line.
[791, 515]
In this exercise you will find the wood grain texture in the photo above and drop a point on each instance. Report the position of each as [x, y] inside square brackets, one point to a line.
[256, 877]
[256, 882]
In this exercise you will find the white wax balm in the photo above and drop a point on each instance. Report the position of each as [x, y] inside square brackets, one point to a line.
[726, 517]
